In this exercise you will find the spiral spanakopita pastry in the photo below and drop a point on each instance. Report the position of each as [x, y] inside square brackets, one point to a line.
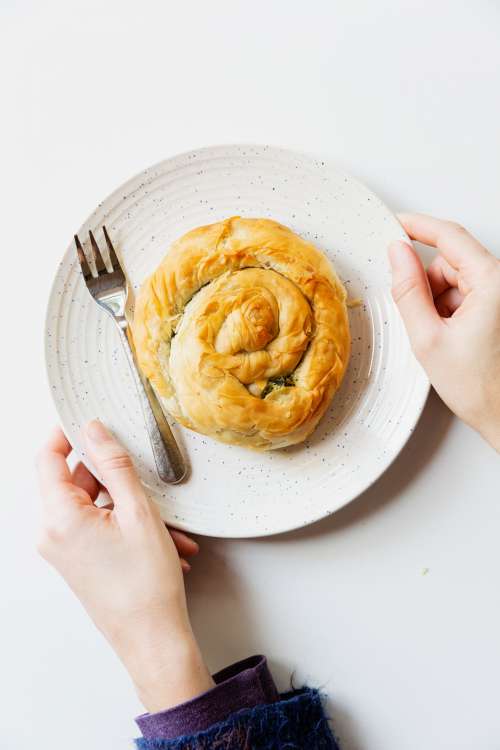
[243, 332]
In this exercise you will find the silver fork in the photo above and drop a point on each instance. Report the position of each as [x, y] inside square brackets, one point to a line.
[109, 288]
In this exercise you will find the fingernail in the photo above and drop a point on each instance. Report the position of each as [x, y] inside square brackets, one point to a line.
[97, 432]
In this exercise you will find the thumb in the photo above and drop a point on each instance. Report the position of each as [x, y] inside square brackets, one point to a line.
[115, 467]
[413, 297]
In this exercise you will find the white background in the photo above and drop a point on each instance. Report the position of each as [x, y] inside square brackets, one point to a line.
[405, 96]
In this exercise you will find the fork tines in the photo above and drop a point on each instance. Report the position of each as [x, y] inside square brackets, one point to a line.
[83, 260]
[100, 263]
[111, 250]
[98, 259]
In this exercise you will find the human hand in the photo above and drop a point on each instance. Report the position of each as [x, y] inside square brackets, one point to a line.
[452, 316]
[123, 565]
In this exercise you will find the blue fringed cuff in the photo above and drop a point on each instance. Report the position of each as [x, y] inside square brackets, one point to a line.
[296, 721]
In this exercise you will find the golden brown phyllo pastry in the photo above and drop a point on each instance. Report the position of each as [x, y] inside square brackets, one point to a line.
[243, 332]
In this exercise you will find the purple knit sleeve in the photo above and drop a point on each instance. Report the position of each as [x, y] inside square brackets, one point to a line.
[246, 684]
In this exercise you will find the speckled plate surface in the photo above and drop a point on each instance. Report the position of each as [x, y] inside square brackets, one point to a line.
[234, 492]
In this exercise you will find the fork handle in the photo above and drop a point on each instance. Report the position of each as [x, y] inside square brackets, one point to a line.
[169, 461]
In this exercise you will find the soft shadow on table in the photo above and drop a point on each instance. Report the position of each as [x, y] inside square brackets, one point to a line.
[429, 433]
[345, 726]
[223, 613]
[220, 608]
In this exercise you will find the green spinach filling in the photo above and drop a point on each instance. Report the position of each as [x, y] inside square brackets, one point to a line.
[274, 384]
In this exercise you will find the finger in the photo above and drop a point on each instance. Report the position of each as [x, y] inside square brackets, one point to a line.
[186, 546]
[448, 302]
[186, 567]
[115, 466]
[53, 470]
[57, 488]
[412, 295]
[82, 477]
[456, 244]
[441, 276]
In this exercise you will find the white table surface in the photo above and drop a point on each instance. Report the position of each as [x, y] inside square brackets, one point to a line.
[405, 96]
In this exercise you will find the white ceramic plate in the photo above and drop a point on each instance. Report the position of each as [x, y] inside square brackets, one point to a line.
[234, 492]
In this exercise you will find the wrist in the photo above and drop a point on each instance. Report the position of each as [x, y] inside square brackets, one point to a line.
[165, 664]
[167, 682]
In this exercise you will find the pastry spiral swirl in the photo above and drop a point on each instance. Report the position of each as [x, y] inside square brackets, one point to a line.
[243, 332]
